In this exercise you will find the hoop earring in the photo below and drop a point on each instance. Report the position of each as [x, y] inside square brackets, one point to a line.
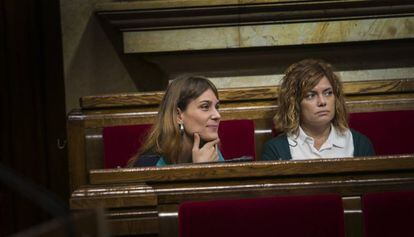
[181, 128]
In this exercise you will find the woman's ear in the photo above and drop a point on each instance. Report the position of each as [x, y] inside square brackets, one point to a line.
[179, 116]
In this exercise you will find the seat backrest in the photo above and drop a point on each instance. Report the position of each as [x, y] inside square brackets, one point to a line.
[122, 142]
[237, 138]
[293, 216]
[389, 131]
[388, 214]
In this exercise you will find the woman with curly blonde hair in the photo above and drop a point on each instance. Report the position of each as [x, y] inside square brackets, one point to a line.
[312, 117]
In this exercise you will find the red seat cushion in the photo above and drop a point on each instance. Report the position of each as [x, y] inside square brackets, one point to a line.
[388, 214]
[389, 131]
[122, 142]
[294, 216]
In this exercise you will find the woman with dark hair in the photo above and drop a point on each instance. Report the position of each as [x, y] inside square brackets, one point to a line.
[186, 127]
[312, 117]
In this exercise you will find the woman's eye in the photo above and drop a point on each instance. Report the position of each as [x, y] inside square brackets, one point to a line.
[328, 93]
[205, 107]
[309, 96]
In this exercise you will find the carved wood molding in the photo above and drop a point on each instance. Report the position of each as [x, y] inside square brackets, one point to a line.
[270, 12]
[177, 173]
[145, 99]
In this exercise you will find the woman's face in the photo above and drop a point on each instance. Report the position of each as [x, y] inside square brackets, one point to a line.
[201, 116]
[318, 105]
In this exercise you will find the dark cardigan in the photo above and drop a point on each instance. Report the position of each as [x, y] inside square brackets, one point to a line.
[278, 147]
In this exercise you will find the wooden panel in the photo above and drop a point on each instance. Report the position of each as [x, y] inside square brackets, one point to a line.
[256, 110]
[349, 177]
[76, 153]
[251, 169]
[137, 195]
[240, 94]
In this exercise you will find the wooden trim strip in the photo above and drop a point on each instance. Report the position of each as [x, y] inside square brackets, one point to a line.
[252, 169]
[145, 99]
[132, 17]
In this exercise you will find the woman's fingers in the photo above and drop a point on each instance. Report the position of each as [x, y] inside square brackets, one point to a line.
[207, 153]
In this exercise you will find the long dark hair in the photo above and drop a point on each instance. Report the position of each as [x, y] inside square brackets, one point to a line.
[164, 138]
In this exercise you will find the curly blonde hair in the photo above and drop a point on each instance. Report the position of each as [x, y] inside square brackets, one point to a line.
[299, 79]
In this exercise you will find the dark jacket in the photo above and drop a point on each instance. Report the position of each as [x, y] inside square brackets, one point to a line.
[278, 147]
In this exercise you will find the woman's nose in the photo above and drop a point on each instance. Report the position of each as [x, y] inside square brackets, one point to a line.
[216, 114]
[321, 100]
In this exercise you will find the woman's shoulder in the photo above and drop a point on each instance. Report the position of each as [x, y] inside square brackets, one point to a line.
[281, 139]
[147, 159]
[358, 136]
[277, 148]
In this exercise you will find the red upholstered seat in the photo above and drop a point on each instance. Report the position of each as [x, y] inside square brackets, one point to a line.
[294, 216]
[388, 214]
[122, 142]
[389, 131]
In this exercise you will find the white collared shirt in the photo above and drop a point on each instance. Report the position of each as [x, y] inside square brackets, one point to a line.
[336, 146]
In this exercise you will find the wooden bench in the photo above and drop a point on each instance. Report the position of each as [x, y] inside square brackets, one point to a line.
[85, 125]
[144, 201]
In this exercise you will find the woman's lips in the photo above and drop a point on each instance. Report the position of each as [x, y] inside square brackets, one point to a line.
[212, 126]
[322, 113]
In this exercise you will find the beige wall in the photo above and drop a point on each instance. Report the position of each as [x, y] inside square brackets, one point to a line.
[92, 65]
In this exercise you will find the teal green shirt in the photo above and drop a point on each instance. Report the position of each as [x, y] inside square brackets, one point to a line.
[161, 161]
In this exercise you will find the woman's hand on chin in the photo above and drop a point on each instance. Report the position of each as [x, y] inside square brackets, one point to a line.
[207, 153]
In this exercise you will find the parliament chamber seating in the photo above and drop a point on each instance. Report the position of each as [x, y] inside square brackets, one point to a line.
[388, 214]
[145, 201]
[389, 131]
[294, 216]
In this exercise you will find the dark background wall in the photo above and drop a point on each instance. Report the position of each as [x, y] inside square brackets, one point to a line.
[32, 107]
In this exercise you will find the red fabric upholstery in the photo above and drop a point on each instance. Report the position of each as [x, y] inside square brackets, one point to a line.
[390, 131]
[388, 214]
[237, 138]
[294, 216]
[122, 142]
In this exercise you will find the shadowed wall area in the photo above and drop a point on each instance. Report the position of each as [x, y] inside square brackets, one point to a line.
[33, 130]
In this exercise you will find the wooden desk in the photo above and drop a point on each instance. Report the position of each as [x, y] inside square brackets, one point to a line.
[144, 201]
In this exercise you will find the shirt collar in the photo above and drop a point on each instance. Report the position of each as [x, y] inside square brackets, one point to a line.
[334, 139]
[300, 139]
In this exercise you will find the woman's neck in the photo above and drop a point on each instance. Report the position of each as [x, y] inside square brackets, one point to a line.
[186, 155]
[319, 133]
